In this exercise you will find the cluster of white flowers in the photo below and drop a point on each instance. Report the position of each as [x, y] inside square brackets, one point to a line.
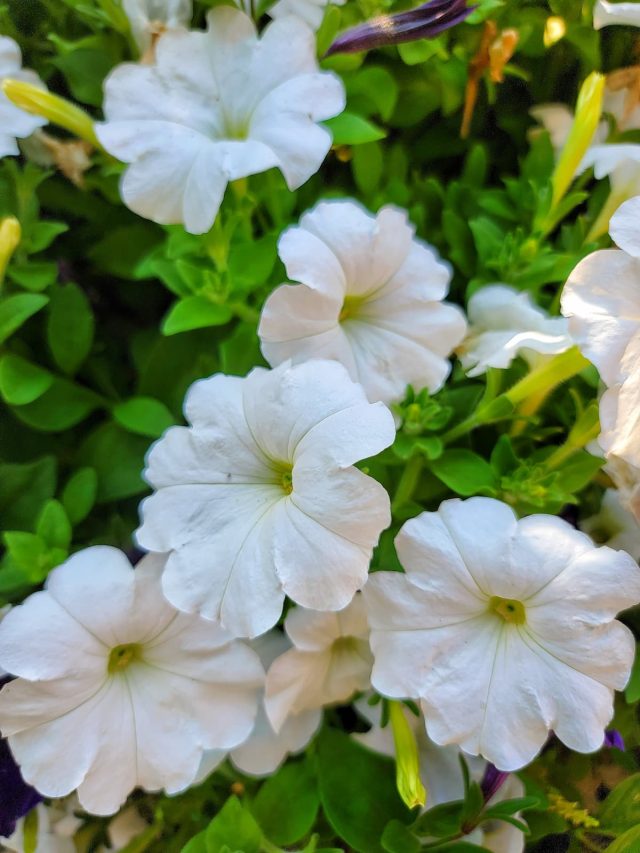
[502, 629]
[602, 301]
[15, 123]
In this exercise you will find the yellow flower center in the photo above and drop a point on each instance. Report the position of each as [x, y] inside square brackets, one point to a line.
[121, 656]
[510, 609]
[287, 481]
[350, 307]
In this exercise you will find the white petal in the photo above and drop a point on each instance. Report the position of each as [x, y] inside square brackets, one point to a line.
[265, 750]
[625, 227]
[605, 14]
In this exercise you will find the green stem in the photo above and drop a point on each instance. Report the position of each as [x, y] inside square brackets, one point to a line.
[408, 481]
[267, 847]
[548, 375]
[245, 312]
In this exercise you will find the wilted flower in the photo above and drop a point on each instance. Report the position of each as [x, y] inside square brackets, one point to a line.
[605, 14]
[14, 122]
[503, 629]
[329, 662]
[370, 297]
[149, 19]
[504, 323]
[117, 682]
[215, 107]
[259, 498]
[425, 21]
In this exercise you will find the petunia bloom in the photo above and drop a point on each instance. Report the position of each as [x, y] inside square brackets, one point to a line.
[606, 14]
[14, 122]
[504, 323]
[329, 662]
[602, 301]
[111, 677]
[259, 498]
[217, 106]
[503, 629]
[265, 749]
[151, 18]
[310, 11]
[55, 829]
[614, 524]
[425, 21]
[370, 296]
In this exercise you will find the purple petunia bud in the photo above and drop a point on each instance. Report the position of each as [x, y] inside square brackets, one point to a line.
[426, 21]
[492, 780]
[613, 738]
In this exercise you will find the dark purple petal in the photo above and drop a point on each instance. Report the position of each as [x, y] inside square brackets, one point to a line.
[613, 738]
[16, 797]
[492, 780]
[426, 21]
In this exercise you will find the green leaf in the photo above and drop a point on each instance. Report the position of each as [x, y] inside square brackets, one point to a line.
[42, 235]
[30, 553]
[352, 129]
[79, 494]
[287, 804]
[240, 351]
[579, 471]
[16, 310]
[357, 791]
[464, 472]
[251, 264]
[24, 489]
[21, 381]
[34, 275]
[376, 85]
[144, 416]
[53, 526]
[628, 842]
[233, 827]
[441, 821]
[398, 838]
[63, 405]
[368, 166]
[70, 327]
[195, 312]
[511, 807]
[621, 809]
[421, 50]
[118, 459]
[198, 844]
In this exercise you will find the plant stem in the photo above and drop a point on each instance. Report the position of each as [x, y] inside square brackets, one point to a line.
[408, 481]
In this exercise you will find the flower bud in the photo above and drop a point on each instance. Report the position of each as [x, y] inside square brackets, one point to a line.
[32, 99]
[408, 780]
[10, 236]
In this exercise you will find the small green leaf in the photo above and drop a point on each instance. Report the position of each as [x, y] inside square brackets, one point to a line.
[464, 472]
[34, 275]
[398, 838]
[144, 416]
[352, 129]
[233, 827]
[441, 821]
[287, 804]
[198, 844]
[628, 842]
[21, 381]
[53, 526]
[195, 312]
[79, 494]
[23, 491]
[16, 310]
[63, 405]
[70, 327]
[632, 691]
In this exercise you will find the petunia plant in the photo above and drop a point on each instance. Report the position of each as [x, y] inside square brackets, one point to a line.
[319, 452]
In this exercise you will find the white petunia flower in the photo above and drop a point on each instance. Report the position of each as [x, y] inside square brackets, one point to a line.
[55, 826]
[215, 107]
[14, 122]
[370, 296]
[504, 323]
[503, 629]
[259, 498]
[615, 525]
[329, 662]
[605, 14]
[151, 18]
[310, 11]
[265, 749]
[602, 301]
[129, 691]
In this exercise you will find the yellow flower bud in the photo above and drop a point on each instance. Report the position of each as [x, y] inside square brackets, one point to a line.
[32, 99]
[10, 236]
[585, 124]
[554, 30]
[408, 780]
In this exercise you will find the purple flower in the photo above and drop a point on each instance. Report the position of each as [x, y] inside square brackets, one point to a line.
[16, 797]
[492, 780]
[426, 21]
[613, 738]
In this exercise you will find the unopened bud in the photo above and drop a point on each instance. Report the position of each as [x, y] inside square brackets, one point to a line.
[32, 99]
[408, 780]
[10, 236]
